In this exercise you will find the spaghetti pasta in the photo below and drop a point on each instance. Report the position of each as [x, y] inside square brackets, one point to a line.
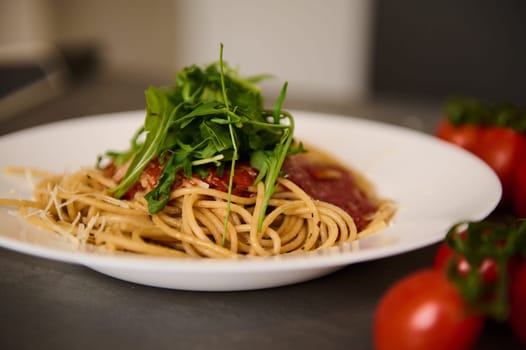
[191, 225]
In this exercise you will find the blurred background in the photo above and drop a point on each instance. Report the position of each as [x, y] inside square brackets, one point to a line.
[390, 60]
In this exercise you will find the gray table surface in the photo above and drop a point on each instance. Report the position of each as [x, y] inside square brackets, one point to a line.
[52, 305]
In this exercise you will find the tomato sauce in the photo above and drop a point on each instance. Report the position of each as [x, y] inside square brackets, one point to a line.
[331, 183]
[323, 181]
[244, 177]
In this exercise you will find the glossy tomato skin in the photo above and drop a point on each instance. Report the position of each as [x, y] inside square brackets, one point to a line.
[464, 136]
[518, 302]
[443, 256]
[503, 149]
[425, 310]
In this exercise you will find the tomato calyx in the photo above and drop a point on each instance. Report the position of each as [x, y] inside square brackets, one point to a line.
[481, 257]
[465, 111]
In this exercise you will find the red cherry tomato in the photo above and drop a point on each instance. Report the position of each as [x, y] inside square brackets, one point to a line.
[518, 302]
[425, 311]
[464, 136]
[503, 149]
[444, 255]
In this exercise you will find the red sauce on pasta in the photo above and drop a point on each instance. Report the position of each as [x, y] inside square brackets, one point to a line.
[244, 177]
[327, 182]
[333, 184]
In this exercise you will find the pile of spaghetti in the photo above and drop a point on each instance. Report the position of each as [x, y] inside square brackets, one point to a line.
[211, 173]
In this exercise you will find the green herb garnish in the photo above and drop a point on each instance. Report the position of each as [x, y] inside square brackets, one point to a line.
[210, 117]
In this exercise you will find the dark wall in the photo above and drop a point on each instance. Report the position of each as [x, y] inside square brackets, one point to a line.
[439, 48]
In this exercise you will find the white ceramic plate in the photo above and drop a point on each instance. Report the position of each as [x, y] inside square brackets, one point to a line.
[434, 185]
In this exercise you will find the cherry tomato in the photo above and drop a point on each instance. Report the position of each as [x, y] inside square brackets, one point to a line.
[425, 311]
[444, 253]
[488, 268]
[464, 136]
[443, 256]
[503, 149]
[518, 302]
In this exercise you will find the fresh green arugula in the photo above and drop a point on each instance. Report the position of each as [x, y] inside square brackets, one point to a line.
[210, 117]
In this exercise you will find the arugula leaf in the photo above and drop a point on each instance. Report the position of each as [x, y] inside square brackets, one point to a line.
[210, 117]
[234, 145]
[160, 195]
[156, 125]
